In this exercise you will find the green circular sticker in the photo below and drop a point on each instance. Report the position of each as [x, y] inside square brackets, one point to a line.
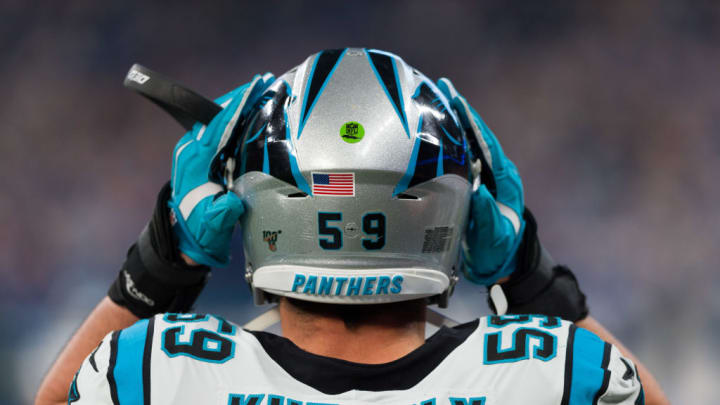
[352, 132]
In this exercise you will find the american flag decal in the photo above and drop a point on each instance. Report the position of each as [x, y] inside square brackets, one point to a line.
[334, 184]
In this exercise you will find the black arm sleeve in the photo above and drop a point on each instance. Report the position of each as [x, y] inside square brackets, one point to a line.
[154, 278]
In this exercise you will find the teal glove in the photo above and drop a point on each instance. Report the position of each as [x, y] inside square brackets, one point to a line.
[496, 223]
[205, 212]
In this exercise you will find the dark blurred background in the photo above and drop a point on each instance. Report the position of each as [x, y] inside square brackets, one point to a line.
[609, 109]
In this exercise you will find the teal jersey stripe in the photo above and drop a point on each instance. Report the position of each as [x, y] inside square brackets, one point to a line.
[128, 370]
[587, 367]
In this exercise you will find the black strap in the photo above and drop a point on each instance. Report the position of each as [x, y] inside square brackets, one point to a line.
[539, 285]
[185, 105]
[534, 272]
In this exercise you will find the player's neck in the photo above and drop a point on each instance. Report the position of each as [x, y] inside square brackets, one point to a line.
[375, 340]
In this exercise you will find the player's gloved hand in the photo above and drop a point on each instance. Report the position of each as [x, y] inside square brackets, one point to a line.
[502, 236]
[154, 278]
[206, 212]
[200, 220]
[496, 223]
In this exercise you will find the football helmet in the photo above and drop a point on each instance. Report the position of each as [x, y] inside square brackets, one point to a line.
[356, 179]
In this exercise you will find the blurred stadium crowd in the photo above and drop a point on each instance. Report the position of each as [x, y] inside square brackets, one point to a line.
[611, 111]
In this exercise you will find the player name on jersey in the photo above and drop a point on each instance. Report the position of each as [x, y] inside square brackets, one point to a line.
[347, 286]
[272, 399]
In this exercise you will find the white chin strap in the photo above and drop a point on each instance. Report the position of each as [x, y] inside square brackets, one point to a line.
[265, 320]
[439, 320]
[272, 316]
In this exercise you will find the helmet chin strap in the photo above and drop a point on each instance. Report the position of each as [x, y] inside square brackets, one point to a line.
[272, 316]
[439, 320]
[265, 320]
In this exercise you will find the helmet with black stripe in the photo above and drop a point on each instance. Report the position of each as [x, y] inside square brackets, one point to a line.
[356, 179]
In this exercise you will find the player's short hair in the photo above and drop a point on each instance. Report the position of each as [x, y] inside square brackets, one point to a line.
[394, 313]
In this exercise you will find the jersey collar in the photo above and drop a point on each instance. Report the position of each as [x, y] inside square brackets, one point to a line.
[333, 376]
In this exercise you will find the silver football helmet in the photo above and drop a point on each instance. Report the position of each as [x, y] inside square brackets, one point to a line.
[356, 180]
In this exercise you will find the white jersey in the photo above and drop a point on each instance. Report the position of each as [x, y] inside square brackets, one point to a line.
[203, 359]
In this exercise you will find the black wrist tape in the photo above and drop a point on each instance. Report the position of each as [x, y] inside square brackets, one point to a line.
[154, 278]
[539, 286]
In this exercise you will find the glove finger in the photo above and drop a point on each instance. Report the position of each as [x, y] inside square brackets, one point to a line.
[225, 99]
[507, 178]
[447, 88]
[510, 194]
[222, 125]
[214, 221]
[467, 112]
[243, 100]
[184, 154]
[499, 161]
[473, 124]
[187, 137]
[224, 212]
[490, 235]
